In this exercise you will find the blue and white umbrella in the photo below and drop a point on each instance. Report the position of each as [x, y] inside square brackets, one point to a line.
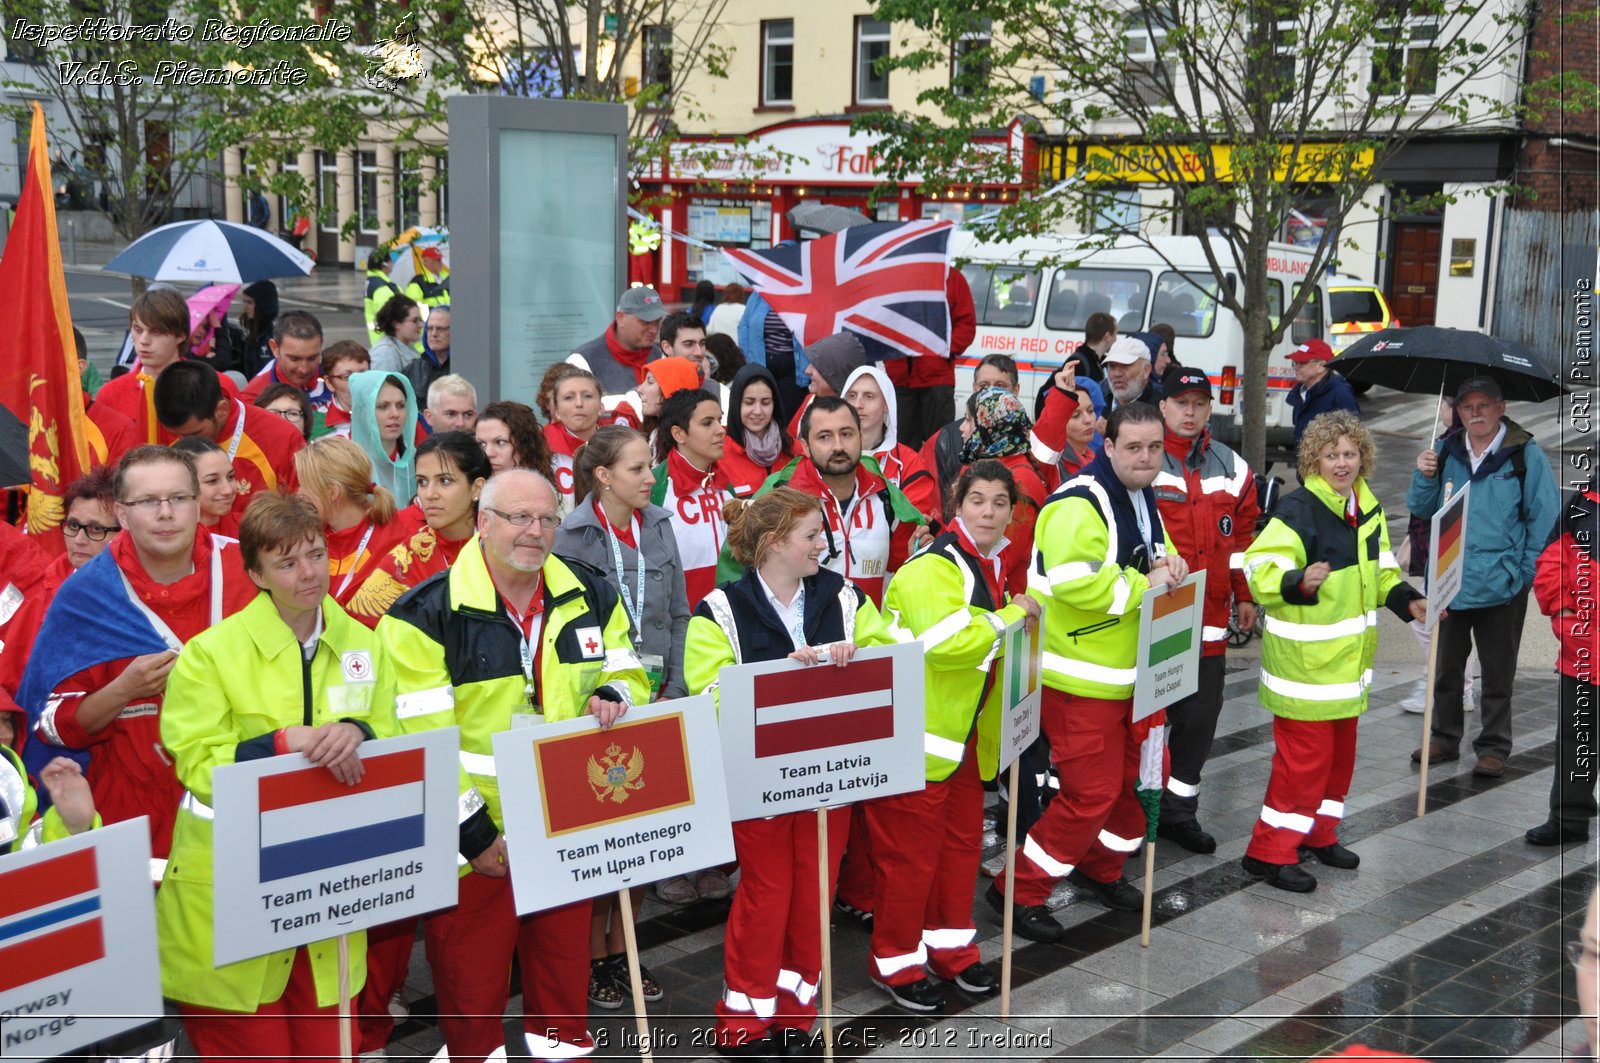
[210, 252]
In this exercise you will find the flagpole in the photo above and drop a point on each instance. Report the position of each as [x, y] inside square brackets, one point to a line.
[825, 979]
[1011, 889]
[345, 1055]
[625, 910]
[1427, 702]
[1149, 889]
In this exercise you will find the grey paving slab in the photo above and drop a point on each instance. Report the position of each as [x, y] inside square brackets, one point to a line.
[1173, 962]
[1251, 921]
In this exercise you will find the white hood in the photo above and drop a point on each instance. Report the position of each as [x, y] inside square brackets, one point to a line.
[891, 420]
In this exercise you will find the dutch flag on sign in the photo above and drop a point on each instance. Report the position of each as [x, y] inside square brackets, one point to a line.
[49, 919]
[312, 822]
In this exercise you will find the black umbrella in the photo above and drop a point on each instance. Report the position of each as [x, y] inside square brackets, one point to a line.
[825, 218]
[1428, 359]
[14, 470]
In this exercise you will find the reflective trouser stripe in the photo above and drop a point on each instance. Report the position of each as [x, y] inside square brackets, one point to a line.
[791, 982]
[1118, 844]
[892, 965]
[1213, 634]
[1181, 788]
[553, 1047]
[947, 939]
[1286, 820]
[760, 1007]
[1332, 809]
[1047, 863]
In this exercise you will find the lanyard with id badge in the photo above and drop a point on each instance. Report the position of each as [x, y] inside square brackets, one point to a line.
[654, 663]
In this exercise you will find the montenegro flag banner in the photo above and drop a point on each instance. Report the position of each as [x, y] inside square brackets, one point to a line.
[596, 778]
[39, 381]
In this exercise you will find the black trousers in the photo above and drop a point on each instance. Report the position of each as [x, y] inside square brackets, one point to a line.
[1497, 632]
[923, 411]
[1572, 802]
[1191, 727]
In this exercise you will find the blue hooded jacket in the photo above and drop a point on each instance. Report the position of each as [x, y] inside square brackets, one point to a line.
[396, 475]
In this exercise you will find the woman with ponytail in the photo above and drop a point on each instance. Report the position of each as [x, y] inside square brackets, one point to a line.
[359, 518]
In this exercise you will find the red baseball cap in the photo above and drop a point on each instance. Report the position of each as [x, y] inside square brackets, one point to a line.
[1312, 351]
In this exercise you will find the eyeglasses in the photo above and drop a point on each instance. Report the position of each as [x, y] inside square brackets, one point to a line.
[291, 415]
[152, 506]
[95, 532]
[1580, 955]
[339, 376]
[438, 328]
[523, 520]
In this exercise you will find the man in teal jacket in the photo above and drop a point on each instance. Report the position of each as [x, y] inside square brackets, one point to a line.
[1510, 514]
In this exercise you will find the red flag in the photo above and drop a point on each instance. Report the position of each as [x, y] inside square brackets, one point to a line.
[598, 777]
[39, 368]
[833, 707]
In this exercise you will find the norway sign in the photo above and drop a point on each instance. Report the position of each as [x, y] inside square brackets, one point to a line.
[78, 958]
[1169, 645]
[301, 857]
[588, 812]
[798, 737]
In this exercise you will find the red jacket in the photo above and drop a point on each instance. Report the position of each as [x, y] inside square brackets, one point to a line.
[866, 541]
[129, 396]
[18, 634]
[263, 459]
[693, 499]
[1207, 497]
[742, 471]
[111, 435]
[425, 554]
[1562, 570]
[130, 772]
[1035, 485]
[941, 372]
[353, 553]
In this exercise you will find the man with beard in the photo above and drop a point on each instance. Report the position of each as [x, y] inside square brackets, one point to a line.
[1128, 373]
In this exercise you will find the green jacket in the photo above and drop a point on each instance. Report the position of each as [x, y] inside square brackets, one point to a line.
[939, 598]
[1316, 655]
[458, 663]
[234, 687]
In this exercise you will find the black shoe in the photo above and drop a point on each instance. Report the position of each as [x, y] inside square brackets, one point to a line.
[755, 1048]
[1552, 833]
[1032, 921]
[978, 980]
[1334, 855]
[1117, 894]
[1284, 876]
[854, 915]
[1188, 834]
[921, 995]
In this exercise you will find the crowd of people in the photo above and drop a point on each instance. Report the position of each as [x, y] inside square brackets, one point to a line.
[661, 515]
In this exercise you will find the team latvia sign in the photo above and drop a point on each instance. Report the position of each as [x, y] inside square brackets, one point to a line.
[301, 857]
[796, 738]
[77, 942]
[1170, 635]
[588, 812]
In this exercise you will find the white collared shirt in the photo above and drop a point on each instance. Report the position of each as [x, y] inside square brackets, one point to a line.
[308, 648]
[1494, 445]
[791, 616]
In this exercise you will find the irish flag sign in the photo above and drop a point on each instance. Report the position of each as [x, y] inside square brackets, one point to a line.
[1022, 685]
[1169, 645]
[1445, 552]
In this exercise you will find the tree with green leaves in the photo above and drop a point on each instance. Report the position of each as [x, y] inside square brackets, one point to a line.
[1229, 106]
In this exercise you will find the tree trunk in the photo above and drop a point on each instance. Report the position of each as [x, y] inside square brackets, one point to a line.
[1256, 347]
[591, 49]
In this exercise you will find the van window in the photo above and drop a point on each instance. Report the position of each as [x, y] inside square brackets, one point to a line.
[1187, 302]
[1356, 304]
[1077, 293]
[1003, 296]
[1307, 324]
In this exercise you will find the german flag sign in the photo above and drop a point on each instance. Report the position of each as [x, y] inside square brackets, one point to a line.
[1445, 551]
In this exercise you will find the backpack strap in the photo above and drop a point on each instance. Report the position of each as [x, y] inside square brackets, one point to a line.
[1519, 467]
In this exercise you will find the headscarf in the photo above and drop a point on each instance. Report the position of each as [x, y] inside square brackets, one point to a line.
[398, 475]
[891, 418]
[1000, 426]
[766, 448]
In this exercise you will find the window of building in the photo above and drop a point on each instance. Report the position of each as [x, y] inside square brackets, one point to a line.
[656, 63]
[724, 223]
[872, 44]
[1005, 296]
[367, 191]
[1116, 210]
[1405, 58]
[408, 192]
[1076, 294]
[1144, 66]
[777, 62]
[970, 58]
[286, 211]
[328, 190]
[444, 191]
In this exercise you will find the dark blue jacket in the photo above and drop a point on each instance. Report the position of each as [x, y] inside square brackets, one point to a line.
[1326, 395]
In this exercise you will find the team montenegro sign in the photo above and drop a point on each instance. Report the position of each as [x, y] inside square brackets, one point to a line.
[1169, 645]
[301, 857]
[589, 812]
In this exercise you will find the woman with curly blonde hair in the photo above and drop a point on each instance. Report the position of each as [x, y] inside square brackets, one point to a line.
[1321, 567]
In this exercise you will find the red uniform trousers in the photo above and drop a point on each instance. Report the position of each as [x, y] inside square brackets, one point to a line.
[1311, 769]
[772, 952]
[925, 848]
[291, 1027]
[388, 962]
[469, 948]
[857, 882]
[1095, 822]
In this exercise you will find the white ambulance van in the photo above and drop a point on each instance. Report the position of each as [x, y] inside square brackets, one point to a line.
[1036, 314]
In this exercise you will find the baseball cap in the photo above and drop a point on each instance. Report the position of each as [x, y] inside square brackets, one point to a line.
[432, 251]
[643, 303]
[1483, 385]
[1177, 380]
[1127, 351]
[1312, 351]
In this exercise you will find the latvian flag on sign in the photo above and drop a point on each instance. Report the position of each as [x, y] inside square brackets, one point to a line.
[831, 707]
[49, 919]
[311, 821]
[1172, 631]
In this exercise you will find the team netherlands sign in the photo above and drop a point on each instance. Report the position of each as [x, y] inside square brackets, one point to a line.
[78, 960]
[1170, 635]
[301, 857]
[797, 737]
[1446, 554]
[588, 812]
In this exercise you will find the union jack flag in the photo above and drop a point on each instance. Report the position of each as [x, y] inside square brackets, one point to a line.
[883, 282]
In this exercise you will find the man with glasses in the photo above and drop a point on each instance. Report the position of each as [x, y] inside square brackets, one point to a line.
[434, 361]
[1510, 513]
[511, 636]
[113, 631]
[190, 402]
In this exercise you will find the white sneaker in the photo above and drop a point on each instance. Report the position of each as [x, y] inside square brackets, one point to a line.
[398, 1008]
[1417, 700]
[1469, 700]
